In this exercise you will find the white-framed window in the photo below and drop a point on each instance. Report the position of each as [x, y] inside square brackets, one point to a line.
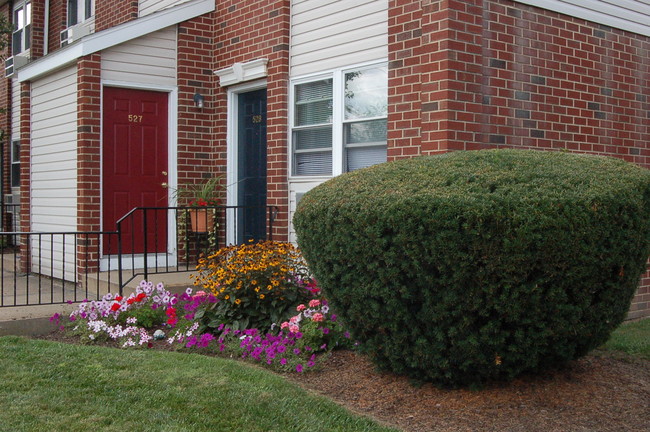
[339, 120]
[15, 163]
[79, 11]
[22, 21]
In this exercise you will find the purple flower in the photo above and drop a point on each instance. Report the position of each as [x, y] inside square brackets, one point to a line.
[281, 348]
[55, 317]
[220, 327]
[299, 368]
[206, 338]
[296, 351]
[323, 347]
[333, 318]
[310, 363]
[346, 335]
[191, 342]
[283, 361]
[325, 330]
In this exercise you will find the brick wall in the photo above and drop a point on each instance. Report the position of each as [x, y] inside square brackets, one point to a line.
[57, 23]
[110, 13]
[25, 170]
[248, 31]
[472, 74]
[88, 156]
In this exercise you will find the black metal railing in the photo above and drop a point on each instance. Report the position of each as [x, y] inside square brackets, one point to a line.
[60, 267]
[155, 240]
[52, 268]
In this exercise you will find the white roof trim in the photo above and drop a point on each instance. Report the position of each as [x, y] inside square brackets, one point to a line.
[240, 72]
[630, 15]
[114, 36]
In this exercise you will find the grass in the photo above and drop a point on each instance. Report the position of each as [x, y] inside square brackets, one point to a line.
[48, 386]
[632, 338]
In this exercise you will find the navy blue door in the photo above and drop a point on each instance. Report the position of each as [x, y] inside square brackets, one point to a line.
[251, 169]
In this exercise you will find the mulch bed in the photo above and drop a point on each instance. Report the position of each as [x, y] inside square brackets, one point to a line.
[601, 392]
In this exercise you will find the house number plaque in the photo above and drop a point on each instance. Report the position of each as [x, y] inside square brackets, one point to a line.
[133, 118]
[257, 119]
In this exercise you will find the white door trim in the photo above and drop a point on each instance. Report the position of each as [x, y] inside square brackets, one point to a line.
[232, 153]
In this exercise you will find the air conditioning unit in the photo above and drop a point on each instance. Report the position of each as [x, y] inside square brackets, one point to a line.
[14, 63]
[72, 34]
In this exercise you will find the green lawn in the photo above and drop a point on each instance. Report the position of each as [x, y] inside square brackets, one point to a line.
[632, 338]
[49, 386]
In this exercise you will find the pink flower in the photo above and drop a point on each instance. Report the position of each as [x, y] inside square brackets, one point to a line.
[293, 319]
[284, 325]
[314, 303]
[294, 328]
[318, 317]
[301, 308]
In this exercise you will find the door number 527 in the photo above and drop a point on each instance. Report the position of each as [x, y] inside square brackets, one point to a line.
[135, 118]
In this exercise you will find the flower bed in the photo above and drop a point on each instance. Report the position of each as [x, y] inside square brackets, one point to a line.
[210, 322]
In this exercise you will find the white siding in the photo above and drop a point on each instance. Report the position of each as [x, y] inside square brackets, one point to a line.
[54, 166]
[146, 7]
[15, 109]
[150, 59]
[630, 15]
[296, 189]
[327, 34]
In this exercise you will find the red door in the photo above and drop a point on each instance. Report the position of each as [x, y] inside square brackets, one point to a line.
[134, 163]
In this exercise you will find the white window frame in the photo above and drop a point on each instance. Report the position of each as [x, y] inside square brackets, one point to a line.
[25, 8]
[83, 13]
[338, 119]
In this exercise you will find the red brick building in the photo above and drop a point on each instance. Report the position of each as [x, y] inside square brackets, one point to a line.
[278, 96]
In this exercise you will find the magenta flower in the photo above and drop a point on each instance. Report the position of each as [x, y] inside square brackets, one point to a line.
[298, 368]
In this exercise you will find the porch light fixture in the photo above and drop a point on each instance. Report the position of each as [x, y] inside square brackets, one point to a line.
[198, 100]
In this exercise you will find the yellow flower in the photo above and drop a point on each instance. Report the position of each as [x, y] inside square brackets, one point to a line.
[237, 301]
[226, 297]
[261, 296]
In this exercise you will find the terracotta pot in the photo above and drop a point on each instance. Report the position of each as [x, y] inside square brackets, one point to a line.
[201, 221]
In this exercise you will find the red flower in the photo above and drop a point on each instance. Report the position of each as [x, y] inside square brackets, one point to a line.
[118, 298]
[202, 202]
[172, 321]
[171, 312]
[140, 297]
[130, 301]
[115, 306]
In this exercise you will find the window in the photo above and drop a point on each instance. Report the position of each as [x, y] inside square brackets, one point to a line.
[79, 11]
[15, 163]
[22, 21]
[340, 121]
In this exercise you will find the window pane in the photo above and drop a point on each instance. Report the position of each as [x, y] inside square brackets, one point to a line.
[366, 93]
[365, 132]
[313, 103]
[88, 12]
[19, 19]
[362, 157]
[28, 13]
[16, 42]
[313, 138]
[72, 13]
[313, 163]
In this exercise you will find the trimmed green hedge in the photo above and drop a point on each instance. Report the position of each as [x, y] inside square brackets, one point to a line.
[472, 266]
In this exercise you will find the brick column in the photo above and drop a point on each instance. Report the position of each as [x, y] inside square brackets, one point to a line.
[88, 159]
[25, 172]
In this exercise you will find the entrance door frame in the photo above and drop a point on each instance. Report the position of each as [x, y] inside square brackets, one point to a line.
[110, 261]
[232, 151]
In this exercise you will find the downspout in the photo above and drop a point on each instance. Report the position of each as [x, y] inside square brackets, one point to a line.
[46, 28]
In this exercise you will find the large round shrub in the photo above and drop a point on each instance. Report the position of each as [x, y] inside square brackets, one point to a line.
[472, 266]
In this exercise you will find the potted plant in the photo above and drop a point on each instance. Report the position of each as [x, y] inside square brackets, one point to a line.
[199, 197]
